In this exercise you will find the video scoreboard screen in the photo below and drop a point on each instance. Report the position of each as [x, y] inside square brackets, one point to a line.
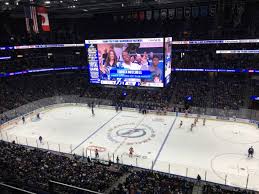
[130, 62]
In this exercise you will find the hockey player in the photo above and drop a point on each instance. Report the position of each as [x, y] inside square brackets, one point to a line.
[251, 152]
[23, 120]
[195, 121]
[186, 113]
[96, 154]
[40, 139]
[181, 124]
[38, 116]
[131, 152]
[192, 125]
[204, 121]
[93, 111]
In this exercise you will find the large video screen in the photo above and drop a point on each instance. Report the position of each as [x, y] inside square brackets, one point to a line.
[131, 62]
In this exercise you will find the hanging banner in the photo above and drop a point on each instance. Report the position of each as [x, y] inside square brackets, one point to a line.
[213, 10]
[149, 15]
[171, 13]
[179, 13]
[195, 12]
[156, 14]
[187, 12]
[163, 14]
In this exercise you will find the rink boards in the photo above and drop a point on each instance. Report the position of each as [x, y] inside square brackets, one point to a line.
[217, 151]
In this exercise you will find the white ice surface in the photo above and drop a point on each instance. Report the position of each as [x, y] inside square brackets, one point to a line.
[217, 151]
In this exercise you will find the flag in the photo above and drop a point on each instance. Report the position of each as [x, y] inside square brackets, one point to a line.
[42, 11]
[171, 13]
[34, 19]
[27, 18]
[31, 14]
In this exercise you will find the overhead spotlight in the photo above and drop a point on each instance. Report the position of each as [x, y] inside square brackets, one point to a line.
[75, 0]
[47, 2]
[122, 5]
[6, 3]
[73, 6]
[85, 10]
[60, 1]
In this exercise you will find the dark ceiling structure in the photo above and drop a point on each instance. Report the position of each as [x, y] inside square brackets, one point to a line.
[86, 8]
[75, 8]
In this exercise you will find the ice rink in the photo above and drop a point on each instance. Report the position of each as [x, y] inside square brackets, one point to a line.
[217, 151]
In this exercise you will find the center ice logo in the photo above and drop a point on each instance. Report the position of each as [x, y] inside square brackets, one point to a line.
[130, 134]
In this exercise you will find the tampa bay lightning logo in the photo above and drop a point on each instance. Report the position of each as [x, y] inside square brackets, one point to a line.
[131, 133]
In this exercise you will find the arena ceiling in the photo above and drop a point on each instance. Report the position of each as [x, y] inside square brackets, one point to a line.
[89, 6]
[84, 8]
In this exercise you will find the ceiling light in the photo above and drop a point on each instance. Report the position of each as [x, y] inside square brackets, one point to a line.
[6, 3]
[47, 2]
[60, 1]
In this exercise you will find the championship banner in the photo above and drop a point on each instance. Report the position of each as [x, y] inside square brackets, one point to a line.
[135, 16]
[115, 18]
[141, 15]
[195, 12]
[213, 9]
[148, 15]
[156, 14]
[42, 11]
[187, 12]
[122, 17]
[163, 14]
[129, 17]
[171, 13]
[204, 11]
[179, 13]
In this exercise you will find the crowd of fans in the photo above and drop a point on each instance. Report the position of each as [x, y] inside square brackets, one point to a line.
[150, 182]
[205, 56]
[33, 168]
[206, 90]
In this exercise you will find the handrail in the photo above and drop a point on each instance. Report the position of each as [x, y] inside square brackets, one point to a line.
[16, 188]
[74, 187]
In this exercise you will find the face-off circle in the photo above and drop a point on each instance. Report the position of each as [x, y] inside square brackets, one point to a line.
[131, 134]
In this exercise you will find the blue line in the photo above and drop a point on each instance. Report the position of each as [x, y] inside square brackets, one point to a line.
[153, 164]
[95, 132]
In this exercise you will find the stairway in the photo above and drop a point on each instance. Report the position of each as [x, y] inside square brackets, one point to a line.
[197, 189]
[116, 184]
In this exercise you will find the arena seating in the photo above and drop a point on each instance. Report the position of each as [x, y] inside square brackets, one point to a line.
[32, 168]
